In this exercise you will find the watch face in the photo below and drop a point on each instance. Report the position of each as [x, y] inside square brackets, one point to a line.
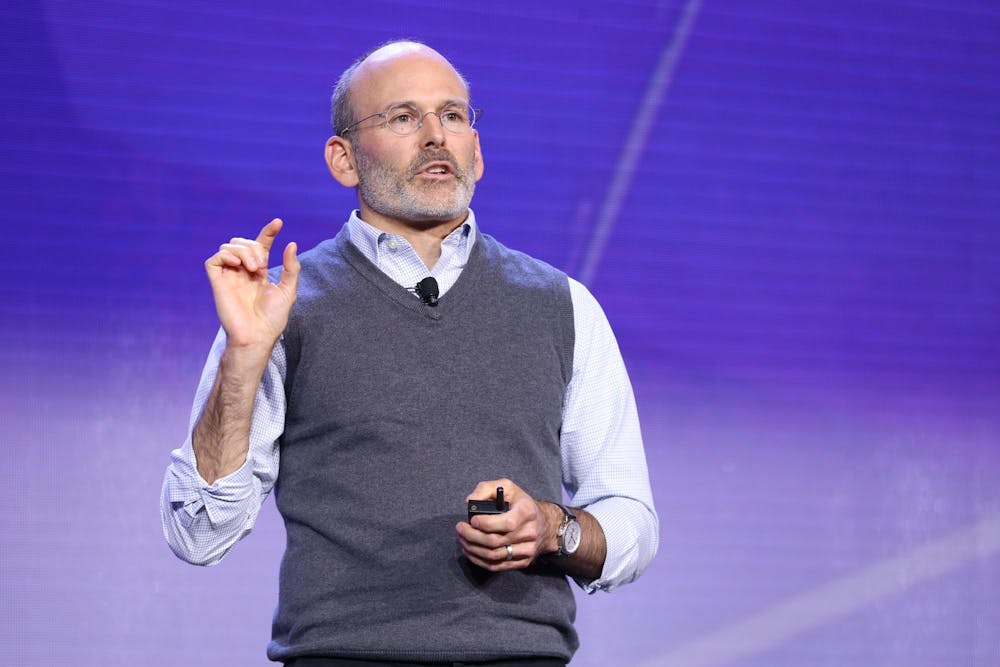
[571, 538]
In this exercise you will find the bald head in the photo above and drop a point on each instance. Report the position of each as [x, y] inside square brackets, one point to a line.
[343, 111]
[398, 49]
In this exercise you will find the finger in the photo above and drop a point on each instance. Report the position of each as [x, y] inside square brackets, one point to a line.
[522, 515]
[291, 268]
[468, 533]
[249, 255]
[494, 534]
[494, 555]
[223, 258]
[255, 247]
[268, 233]
[259, 251]
[496, 523]
[527, 532]
[484, 541]
[491, 555]
[497, 560]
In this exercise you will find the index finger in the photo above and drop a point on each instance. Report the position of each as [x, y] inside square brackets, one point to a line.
[268, 233]
[496, 524]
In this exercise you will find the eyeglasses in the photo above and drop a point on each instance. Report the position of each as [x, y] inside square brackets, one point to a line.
[404, 119]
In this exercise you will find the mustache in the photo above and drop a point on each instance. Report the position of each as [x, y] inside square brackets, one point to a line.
[434, 156]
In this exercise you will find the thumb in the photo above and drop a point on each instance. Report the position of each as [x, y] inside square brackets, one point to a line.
[290, 268]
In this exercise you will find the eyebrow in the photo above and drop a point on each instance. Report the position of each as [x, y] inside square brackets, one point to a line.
[413, 105]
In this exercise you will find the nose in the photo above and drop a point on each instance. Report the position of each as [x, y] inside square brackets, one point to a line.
[433, 131]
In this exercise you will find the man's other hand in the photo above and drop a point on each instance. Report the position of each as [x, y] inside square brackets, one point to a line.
[528, 528]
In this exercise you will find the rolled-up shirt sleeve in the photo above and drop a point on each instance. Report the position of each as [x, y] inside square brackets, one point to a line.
[202, 521]
[603, 461]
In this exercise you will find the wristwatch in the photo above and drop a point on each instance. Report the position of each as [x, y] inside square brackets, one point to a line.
[569, 534]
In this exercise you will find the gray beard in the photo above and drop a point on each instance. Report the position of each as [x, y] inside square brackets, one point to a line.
[399, 197]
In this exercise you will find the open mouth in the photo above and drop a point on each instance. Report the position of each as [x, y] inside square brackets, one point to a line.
[437, 169]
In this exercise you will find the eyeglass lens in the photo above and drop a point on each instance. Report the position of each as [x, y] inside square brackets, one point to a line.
[406, 120]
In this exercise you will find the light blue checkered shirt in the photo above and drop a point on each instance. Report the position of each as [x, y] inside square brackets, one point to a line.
[603, 462]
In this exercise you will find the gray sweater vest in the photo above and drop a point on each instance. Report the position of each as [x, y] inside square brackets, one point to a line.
[396, 410]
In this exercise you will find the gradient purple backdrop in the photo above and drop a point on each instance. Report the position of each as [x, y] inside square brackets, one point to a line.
[790, 212]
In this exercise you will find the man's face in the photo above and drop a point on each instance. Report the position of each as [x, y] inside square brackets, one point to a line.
[423, 178]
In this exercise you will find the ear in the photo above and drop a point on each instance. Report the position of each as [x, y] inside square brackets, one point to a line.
[340, 160]
[478, 156]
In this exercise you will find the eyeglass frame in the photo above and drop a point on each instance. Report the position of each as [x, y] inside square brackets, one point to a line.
[474, 115]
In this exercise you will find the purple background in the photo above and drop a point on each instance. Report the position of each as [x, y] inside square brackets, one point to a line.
[789, 211]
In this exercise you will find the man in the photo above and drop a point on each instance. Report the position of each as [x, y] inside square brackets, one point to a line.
[388, 409]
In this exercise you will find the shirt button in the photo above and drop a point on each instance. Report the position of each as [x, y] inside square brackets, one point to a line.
[393, 245]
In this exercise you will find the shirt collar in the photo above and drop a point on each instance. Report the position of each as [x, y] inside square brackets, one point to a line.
[368, 238]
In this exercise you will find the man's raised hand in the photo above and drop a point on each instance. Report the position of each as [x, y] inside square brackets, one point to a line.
[252, 310]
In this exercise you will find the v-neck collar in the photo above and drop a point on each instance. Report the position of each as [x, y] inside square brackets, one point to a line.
[448, 303]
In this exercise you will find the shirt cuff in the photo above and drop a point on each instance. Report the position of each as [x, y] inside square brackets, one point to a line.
[224, 501]
[617, 520]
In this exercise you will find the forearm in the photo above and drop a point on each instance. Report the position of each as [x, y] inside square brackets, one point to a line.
[631, 534]
[221, 437]
[201, 521]
[588, 561]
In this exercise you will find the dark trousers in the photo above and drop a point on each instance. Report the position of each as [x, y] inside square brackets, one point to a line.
[352, 662]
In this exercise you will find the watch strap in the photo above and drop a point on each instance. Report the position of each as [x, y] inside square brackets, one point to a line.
[569, 516]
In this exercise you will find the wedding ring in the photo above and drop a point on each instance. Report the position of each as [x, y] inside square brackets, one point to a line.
[510, 552]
